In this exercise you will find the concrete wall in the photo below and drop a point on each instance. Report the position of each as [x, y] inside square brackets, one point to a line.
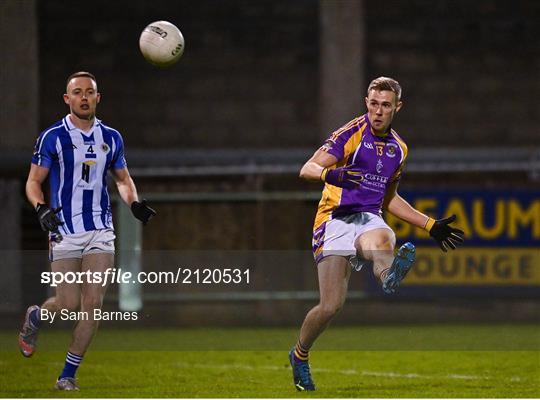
[19, 103]
[254, 73]
[469, 70]
[11, 256]
[19, 74]
[248, 76]
[342, 66]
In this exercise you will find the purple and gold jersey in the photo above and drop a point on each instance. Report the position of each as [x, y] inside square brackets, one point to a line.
[379, 158]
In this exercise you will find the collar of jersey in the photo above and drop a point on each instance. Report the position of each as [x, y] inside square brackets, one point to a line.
[70, 127]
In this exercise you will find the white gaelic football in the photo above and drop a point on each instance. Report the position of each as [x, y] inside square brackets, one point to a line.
[161, 43]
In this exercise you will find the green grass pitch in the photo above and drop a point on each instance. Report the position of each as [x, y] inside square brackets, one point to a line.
[371, 361]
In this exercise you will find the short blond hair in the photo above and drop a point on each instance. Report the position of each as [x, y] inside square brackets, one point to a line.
[385, 83]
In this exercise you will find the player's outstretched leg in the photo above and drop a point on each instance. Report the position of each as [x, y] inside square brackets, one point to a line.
[402, 264]
[301, 372]
[29, 332]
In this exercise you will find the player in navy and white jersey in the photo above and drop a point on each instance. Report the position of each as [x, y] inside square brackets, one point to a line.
[78, 163]
[76, 154]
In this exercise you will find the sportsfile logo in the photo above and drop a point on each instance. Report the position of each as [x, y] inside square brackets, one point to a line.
[203, 276]
[110, 275]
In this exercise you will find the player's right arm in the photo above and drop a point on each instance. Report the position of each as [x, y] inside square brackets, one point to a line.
[319, 166]
[336, 148]
[47, 217]
[42, 159]
[34, 191]
[313, 168]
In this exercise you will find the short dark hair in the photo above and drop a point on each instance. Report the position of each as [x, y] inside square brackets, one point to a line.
[385, 83]
[81, 74]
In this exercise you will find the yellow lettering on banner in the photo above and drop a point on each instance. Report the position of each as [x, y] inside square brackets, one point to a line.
[455, 206]
[511, 220]
[478, 220]
[518, 217]
[426, 206]
[476, 266]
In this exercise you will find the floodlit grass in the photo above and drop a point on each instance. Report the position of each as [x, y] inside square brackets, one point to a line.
[370, 361]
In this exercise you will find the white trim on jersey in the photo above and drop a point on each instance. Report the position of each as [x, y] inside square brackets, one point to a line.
[40, 148]
[61, 182]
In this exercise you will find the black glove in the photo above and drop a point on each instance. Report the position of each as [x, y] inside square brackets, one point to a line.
[445, 235]
[48, 219]
[142, 212]
[344, 177]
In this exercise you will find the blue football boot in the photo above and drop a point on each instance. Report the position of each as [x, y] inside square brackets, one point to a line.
[301, 374]
[401, 265]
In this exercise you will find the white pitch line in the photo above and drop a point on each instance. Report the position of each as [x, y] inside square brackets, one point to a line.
[380, 374]
[344, 372]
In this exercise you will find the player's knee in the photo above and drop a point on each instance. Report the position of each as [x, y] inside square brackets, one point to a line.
[329, 310]
[92, 302]
[68, 304]
[382, 242]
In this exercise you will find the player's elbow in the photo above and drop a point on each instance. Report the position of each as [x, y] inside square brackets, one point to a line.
[29, 184]
[310, 171]
[32, 188]
[389, 202]
[121, 186]
[307, 175]
[123, 180]
[303, 172]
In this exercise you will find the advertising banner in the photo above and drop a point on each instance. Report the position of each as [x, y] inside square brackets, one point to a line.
[501, 254]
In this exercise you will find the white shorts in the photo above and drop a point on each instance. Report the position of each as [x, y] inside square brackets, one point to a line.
[337, 236]
[79, 244]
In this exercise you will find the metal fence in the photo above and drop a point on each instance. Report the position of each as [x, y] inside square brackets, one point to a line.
[201, 163]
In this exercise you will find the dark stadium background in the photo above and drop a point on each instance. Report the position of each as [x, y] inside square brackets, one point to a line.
[260, 85]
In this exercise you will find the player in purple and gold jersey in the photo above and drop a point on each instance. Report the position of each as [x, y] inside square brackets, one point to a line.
[361, 164]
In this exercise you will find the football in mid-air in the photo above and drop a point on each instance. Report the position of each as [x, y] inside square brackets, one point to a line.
[161, 43]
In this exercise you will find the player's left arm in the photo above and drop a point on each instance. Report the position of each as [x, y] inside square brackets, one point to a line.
[398, 206]
[444, 234]
[128, 193]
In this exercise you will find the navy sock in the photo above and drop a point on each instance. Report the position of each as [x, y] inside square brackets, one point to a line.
[35, 320]
[70, 367]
